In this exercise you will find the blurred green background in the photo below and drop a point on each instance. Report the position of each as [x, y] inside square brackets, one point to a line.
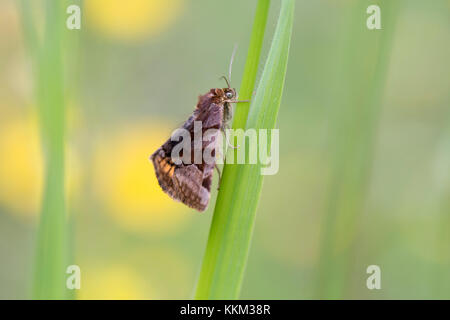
[379, 179]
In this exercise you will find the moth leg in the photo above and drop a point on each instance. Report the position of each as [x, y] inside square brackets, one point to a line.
[220, 176]
[240, 101]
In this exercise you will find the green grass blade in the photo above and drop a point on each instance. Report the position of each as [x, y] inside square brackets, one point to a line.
[251, 65]
[52, 239]
[232, 226]
[240, 118]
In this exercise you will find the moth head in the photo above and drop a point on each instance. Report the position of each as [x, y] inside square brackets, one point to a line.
[229, 94]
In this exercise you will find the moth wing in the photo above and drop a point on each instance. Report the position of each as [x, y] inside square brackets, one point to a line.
[212, 124]
[162, 161]
[188, 182]
[164, 170]
[211, 118]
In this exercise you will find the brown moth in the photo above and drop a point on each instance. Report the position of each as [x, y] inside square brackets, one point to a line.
[191, 183]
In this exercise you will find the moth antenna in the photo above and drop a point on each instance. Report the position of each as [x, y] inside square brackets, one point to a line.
[226, 80]
[231, 62]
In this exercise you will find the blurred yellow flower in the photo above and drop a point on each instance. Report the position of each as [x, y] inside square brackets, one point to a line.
[22, 164]
[143, 272]
[113, 283]
[131, 19]
[125, 181]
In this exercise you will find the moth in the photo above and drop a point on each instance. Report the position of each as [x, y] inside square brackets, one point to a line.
[190, 183]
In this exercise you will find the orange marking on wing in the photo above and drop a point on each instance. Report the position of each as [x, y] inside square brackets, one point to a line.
[171, 171]
[166, 168]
